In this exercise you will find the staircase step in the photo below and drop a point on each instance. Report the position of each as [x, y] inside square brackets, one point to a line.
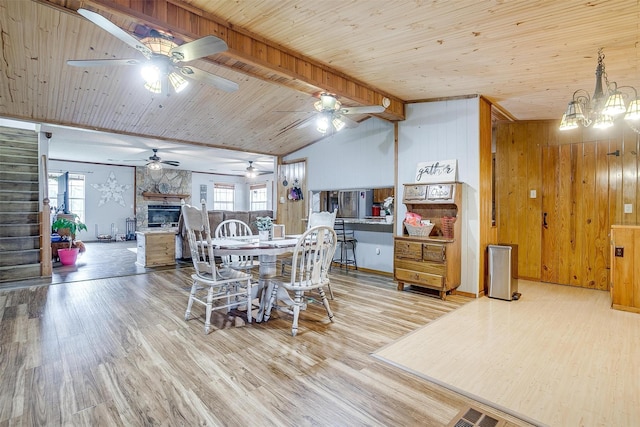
[19, 230]
[19, 243]
[18, 196]
[11, 175]
[17, 206]
[19, 167]
[19, 218]
[16, 258]
[27, 141]
[14, 147]
[20, 272]
[14, 185]
[19, 157]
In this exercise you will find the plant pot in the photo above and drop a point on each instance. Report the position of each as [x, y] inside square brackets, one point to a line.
[263, 235]
[68, 256]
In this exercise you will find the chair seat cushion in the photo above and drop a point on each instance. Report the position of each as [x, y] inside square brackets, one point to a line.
[224, 274]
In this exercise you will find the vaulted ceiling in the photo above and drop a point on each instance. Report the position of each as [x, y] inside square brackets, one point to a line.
[528, 57]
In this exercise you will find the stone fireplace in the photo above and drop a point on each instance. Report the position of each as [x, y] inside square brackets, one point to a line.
[163, 192]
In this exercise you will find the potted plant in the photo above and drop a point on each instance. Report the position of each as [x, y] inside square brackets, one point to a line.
[69, 255]
[388, 209]
[264, 225]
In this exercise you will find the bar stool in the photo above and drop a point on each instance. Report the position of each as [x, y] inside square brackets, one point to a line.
[346, 240]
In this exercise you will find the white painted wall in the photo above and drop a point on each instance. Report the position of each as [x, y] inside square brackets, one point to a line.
[362, 157]
[442, 131]
[110, 212]
[352, 158]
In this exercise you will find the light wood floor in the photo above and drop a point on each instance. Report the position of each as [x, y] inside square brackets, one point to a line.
[559, 355]
[118, 352]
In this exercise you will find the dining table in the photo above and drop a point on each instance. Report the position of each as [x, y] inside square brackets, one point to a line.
[267, 252]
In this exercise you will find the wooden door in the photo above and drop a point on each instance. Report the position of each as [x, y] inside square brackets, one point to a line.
[291, 212]
[575, 214]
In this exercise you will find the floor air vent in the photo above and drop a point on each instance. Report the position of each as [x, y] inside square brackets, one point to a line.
[473, 417]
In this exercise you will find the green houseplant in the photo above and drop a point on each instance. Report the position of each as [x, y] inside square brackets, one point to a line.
[69, 255]
[264, 225]
[73, 227]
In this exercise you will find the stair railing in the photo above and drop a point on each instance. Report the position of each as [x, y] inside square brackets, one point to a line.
[46, 267]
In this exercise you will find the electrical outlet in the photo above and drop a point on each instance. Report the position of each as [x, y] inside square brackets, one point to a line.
[532, 194]
[619, 251]
[628, 208]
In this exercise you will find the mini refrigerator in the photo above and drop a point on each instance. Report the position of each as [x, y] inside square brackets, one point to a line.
[503, 272]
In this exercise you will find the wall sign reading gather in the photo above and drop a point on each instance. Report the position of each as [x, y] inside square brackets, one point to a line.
[437, 171]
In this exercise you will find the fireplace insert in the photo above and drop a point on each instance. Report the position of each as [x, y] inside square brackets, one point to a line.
[163, 215]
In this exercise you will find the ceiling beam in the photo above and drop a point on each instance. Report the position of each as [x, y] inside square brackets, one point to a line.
[248, 54]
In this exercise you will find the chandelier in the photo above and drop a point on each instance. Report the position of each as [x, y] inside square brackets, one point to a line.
[606, 104]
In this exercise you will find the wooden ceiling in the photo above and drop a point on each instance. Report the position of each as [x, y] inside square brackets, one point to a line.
[528, 57]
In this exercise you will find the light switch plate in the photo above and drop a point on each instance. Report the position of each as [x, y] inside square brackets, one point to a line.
[628, 208]
[532, 194]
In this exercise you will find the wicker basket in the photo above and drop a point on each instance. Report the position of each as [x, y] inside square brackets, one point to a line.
[447, 226]
[422, 231]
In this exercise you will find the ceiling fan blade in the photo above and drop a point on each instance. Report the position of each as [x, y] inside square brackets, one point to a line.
[170, 162]
[306, 122]
[209, 45]
[115, 31]
[206, 77]
[102, 62]
[362, 110]
[347, 121]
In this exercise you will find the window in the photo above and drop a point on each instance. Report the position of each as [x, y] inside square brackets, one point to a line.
[223, 197]
[75, 187]
[258, 197]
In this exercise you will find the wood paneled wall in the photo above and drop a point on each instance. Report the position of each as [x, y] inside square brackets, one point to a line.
[488, 233]
[582, 186]
[290, 213]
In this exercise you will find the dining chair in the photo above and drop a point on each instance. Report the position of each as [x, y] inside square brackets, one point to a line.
[312, 257]
[225, 288]
[235, 228]
[315, 219]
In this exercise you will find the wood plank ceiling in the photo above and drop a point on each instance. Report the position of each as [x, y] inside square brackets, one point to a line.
[526, 56]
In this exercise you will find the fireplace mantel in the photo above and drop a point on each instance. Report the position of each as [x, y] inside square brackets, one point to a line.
[160, 196]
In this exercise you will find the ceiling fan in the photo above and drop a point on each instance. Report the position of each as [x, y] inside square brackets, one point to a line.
[332, 113]
[154, 162]
[164, 57]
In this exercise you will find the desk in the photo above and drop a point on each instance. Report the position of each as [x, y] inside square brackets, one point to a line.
[267, 252]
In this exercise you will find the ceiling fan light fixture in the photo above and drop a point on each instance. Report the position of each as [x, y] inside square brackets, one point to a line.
[178, 82]
[159, 45]
[154, 166]
[251, 172]
[150, 73]
[338, 124]
[327, 103]
[154, 87]
[323, 124]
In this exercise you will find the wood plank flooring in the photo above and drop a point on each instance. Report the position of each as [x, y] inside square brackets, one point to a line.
[118, 351]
